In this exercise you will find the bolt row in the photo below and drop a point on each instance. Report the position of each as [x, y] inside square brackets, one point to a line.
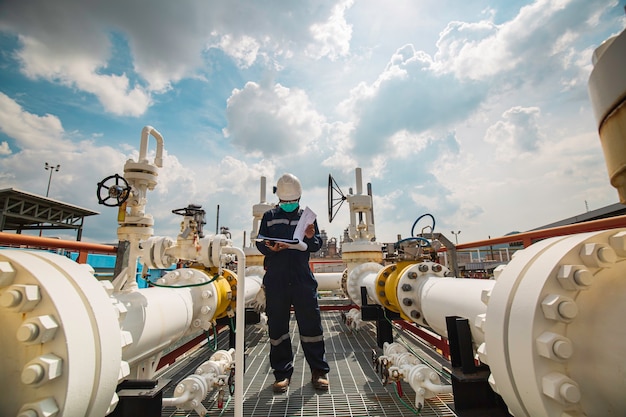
[21, 299]
[563, 308]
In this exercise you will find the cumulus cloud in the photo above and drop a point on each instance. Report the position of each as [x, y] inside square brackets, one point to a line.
[115, 93]
[77, 41]
[243, 50]
[337, 147]
[42, 139]
[332, 37]
[30, 130]
[272, 120]
[537, 41]
[426, 100]
[412, 97]
[518, 134]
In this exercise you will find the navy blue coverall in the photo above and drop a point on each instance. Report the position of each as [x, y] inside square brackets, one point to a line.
[289, 281]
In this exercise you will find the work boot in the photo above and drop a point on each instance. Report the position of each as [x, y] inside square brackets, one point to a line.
[281, 385]
[319, 380]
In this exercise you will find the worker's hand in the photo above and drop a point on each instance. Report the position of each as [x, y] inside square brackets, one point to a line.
[275, 246]
[309, 231]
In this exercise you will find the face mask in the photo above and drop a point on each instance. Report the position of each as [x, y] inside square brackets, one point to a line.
[289, 207]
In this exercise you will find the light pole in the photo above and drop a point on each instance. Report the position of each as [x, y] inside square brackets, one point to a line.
[50, 168]
[456, 236]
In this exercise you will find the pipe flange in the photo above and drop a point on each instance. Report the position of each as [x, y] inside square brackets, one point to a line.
[554, 308]
[58, 305]
[355, 281]
[207, 296]
[408, 288]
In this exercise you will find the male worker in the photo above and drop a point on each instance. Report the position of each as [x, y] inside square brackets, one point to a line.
[288, 281]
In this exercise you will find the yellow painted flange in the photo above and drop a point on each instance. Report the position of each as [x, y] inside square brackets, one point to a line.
[387, 286]
[226, 288]
[384, 287]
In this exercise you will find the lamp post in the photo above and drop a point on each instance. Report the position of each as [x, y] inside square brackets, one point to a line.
[50, 168]
[456, 236]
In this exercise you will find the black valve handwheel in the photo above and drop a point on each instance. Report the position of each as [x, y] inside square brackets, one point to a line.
[117, 191]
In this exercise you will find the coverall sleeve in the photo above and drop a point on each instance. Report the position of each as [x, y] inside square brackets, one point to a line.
[260, 245]
[315, 243]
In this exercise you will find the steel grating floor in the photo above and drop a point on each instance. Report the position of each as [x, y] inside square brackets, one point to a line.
[355, 389]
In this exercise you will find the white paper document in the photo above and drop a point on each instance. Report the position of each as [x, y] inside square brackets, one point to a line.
[307, 218]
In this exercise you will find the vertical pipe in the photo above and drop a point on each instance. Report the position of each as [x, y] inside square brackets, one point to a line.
[369, 192]
[359, 189]
[263, 186]
[217, 221]
[240, 330]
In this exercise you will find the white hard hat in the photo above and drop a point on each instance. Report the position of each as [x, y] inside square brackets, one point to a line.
[288, 188]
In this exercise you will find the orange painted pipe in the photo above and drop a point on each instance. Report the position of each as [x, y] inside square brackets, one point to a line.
[528, 237]
[16, 239]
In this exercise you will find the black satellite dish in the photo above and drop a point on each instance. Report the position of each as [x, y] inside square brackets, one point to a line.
[335, 198]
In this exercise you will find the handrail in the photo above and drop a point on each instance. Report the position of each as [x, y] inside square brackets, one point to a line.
[527, 238]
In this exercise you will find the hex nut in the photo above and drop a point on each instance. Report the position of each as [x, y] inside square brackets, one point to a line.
[40, 329]
[479, 321]
[42, 369]
[126, 338]
[7, 274]
[597, 255]
[618, 243]
[574, 277]
[558, 307]
[20, 297]
[108, 286]
[482, 354]
[43, 408]
[497, 271]
[484, 296]
[560, 388]
[554, 346]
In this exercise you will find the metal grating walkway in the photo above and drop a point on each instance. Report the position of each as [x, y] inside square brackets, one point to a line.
[355, 387]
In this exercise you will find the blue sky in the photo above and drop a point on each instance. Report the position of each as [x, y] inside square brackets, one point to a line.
[475, 112]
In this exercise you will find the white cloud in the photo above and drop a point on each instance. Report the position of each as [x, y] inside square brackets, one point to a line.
[529, 45]
[272, 120]
[337, 146]
[30, 130]
[74, 70]
[427, 98]
[517, 135]
[4, 148]
[332, 38]
[73, 46]
[243, 50]
[411, 97]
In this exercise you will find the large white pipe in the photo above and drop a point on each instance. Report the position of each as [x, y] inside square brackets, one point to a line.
[328, 281]
[254, 283]
[438, 298]
[155, 318]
